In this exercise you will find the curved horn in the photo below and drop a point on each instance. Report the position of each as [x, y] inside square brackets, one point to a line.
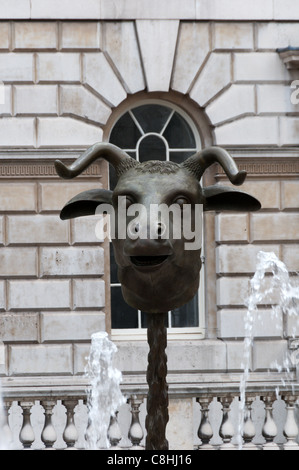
[114, 155]
[200, 161]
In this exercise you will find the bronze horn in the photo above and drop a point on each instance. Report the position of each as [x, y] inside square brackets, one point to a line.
[201, 160]
[114, 155]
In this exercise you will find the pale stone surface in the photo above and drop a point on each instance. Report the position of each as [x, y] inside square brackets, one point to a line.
[240, 258]
[70, 326]
[249, 131]
[290, 256]
[275, 99]
[238, 100]
[82, 261]
[18, 132]
[83, 230]
[99, 75]
[58, 67]
[290, 194]
[259, 66]
[81, 354]
[192, 48]
[131, 356]
[2, 295]
[4, 36]
[35, 35]
[289, 127]
[15, 9]
[277, 35]
[215, 76]
[285, 10]
[232, 227]
[81, 35]
[38, 294]
[1, 230]
[232, 290]
[36, 99]
[89, 293]
[65, 132]
[53, 196]
[233, 35]
[142, 9]
[265, 357]
[28, 229]
[78, 101]
[234, 10]
[65, 9]
[17, 327]
[5, 100]
[231, 324]
[18, 196]
[18, 261]
[16, 67]
[41, 359]
[180, 425]
[157, 40]
[284, 226]
[198, 355]
[235, 355]
[125, 53]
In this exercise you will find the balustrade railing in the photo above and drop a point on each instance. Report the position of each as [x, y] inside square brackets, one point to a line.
[276, 430]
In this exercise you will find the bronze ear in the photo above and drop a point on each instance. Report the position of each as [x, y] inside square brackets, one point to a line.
[219, 198]
[85, 203]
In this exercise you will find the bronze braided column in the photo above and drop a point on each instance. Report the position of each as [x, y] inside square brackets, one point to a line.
[157, 399]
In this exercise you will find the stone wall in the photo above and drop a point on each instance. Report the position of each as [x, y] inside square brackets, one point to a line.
[66, 69]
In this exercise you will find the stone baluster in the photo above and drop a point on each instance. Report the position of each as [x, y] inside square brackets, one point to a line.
[26, 435]
[5, 425]
[135, 432]
[48, 435]
[290, 429]
[70, 434]
[226, 431]
[269, 428]
[114, 432]
[205, 431]
[248, 427]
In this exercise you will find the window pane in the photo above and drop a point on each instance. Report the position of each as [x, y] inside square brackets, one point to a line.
[123, 316]
[152, 117]
[187, 315]
[125, 133]
[178, 133]
[152, 147]
[113, 267]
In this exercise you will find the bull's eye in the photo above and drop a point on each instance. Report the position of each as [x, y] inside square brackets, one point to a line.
[181, 200]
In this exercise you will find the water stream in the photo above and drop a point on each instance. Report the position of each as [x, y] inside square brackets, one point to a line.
[104, 396]
[271, 284]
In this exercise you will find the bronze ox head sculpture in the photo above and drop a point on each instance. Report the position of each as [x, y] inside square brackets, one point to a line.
[157, 273]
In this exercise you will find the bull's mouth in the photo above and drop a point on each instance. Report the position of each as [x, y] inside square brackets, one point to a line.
[148, 261]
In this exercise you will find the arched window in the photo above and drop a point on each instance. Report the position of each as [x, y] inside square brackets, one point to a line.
[154, 131]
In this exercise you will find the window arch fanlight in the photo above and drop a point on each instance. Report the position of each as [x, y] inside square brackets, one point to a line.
[148, 130]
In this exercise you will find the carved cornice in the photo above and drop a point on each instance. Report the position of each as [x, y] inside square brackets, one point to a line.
[263, 163]
[39, 165]
[259, 163]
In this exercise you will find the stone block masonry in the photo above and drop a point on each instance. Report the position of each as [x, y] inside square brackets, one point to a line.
[52, 289]
[64, 73]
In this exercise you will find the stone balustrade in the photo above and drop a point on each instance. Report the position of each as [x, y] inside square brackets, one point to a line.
[268, 420]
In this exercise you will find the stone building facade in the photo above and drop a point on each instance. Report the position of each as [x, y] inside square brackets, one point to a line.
[69, 71]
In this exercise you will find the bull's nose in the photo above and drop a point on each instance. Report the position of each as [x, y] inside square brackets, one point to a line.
[154, 231]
